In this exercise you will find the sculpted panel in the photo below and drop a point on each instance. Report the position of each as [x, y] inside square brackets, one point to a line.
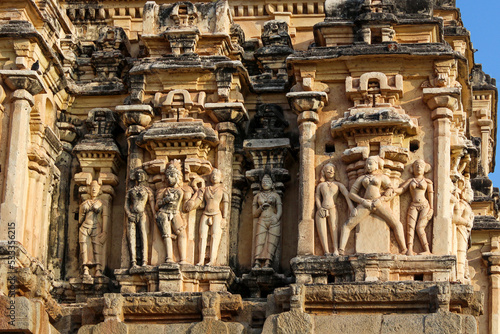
[168, 205]
[326, 195]
[421, 206]
[91, 235]
[378, 192]
[136, 201]
[267, 209]
[216, 201]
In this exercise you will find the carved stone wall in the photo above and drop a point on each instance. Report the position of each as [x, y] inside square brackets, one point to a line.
[245, 167]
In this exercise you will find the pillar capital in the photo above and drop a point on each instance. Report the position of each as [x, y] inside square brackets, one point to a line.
[22, 79]
[307, 101]
[437, 98]
[135, 116]
[493, 260]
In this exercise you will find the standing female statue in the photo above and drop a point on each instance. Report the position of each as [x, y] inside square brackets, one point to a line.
[135, 207]
[421, 206]
[327, 192]
[378, 191]
[90, 232]
[267, 209]
[169, 219]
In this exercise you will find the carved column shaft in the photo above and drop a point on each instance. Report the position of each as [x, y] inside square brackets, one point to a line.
[486, 126]
[443, 102]
[493, 260]
[225, 152]
[16, 176]
[307, 130]
[307, 104]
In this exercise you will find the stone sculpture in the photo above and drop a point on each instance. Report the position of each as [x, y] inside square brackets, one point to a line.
[213, 215]
[421, 208]
[136, 200]
[463, 219]
[326, 215]
[90, 233]
[170, 222]
[378, 191]
[267, 209]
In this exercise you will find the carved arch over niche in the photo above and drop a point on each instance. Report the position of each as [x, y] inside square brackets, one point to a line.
[179, 103]
[184, 14]
[385, 93]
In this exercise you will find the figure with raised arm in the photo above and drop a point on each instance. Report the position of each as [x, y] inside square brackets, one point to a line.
[168, 206]
[420, 210]
[378, 191]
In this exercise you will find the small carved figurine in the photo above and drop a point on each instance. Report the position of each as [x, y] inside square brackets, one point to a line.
[213, 216]
[378, 191]
[327, 192]
[267, 208]
[90, 233]
[463, 219]
[136, 201]
[168, 217]
[421, 206]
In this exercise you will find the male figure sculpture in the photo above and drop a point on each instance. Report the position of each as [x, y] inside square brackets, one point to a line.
[136, 201]
[213, 216]
[327, 192]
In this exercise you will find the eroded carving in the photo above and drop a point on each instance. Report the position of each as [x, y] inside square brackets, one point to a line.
[327, 192]
[267, 209]
[136, 202]
[422, 204]
[378, 191]
[170, 222]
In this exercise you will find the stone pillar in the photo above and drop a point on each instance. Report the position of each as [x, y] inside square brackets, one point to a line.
[493, 260]
[136, 117]
[442, 102]
[486, 126]
[307, 105]
[25, 84]
[228, 115]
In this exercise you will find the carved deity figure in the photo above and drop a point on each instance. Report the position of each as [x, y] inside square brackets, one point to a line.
[421, 206]
[378, 191]
[170, 222]
[213, 215]
[136, 201]
[327, 192]
[267, 209]
[463, 219]
[90, 232]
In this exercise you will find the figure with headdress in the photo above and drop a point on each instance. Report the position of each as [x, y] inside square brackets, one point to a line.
[168, 206]
[136, 201]
[326, 195]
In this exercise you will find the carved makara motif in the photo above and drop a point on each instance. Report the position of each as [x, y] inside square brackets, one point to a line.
[91, 235]
[327, 192]
[214, 215]
[168, 207]
[421, 207]
[378, 191]
[267, 210]
[136, 202]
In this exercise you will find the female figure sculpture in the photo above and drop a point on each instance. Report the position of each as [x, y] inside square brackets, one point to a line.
[267, 209]
[168, 217]
[213, 216]
[378, 191]
[327, 192]
[421, 206]
[135, 207]
[90, 231]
